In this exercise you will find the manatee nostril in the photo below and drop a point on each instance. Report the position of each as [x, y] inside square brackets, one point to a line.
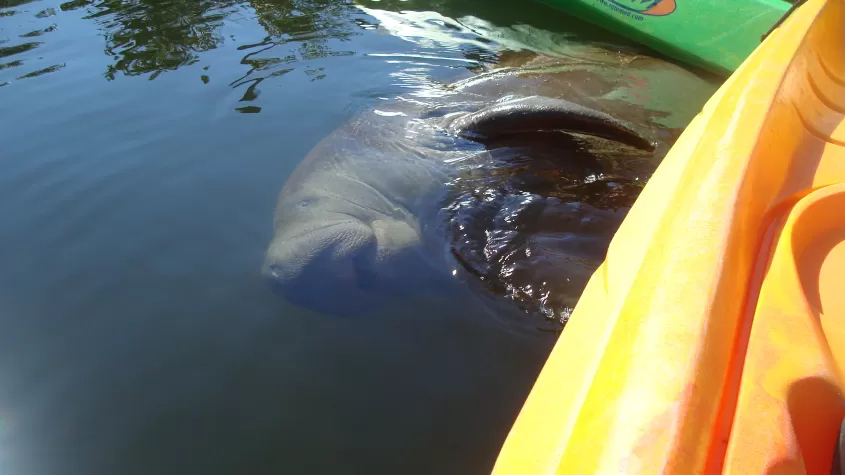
[331, 258]
[275, 271]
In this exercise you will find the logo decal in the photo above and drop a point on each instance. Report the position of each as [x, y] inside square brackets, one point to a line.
[647, 7]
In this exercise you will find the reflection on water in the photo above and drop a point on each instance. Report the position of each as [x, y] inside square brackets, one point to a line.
[298, 32]
[13, 3]
[144, 145]
[12, 50]
[150, 37]
[8, 9]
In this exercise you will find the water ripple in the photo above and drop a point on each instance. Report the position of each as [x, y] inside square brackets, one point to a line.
[35, 33]
[151, 38]
[74, 4]
[40, 72]
[17, 49]
[47, 12]
[11, 64]
[14, 3]
[298, 32]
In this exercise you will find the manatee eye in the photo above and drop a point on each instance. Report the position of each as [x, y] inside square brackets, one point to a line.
[304, 203]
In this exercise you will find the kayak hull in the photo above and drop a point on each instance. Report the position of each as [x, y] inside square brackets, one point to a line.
[716, 35]
[711, 340]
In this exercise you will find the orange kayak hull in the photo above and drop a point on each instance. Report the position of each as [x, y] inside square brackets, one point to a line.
[712, 338]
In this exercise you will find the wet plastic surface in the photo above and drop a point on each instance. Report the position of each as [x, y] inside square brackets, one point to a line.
[712, 338]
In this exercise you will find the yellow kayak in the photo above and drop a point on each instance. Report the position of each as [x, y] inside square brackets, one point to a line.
[712, 339]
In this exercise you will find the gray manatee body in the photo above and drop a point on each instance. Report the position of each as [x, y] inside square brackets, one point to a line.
[402, 195]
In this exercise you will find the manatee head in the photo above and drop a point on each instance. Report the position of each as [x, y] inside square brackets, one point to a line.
[338, 234]
[347, 220]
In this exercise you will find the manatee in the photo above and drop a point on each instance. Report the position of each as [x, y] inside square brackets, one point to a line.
[506, 176]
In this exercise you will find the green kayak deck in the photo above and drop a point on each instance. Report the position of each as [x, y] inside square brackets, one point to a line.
[716, 35]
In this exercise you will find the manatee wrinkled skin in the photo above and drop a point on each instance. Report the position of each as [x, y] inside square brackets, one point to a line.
[394, 199]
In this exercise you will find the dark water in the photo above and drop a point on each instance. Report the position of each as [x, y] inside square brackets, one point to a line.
[143, 144]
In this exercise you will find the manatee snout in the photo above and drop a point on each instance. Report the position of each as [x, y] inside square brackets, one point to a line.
[338, 266]
[324, 261]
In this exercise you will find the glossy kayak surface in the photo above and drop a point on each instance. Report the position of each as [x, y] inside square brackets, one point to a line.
[712, 337]
[716, 35]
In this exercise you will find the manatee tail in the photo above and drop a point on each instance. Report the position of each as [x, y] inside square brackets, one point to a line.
[537, 113]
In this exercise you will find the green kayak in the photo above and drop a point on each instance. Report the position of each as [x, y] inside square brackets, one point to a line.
[716, 35]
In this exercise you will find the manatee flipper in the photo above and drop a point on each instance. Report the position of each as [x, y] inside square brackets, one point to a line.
[536, 113]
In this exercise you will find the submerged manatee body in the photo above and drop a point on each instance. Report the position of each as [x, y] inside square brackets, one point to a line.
[485, 176]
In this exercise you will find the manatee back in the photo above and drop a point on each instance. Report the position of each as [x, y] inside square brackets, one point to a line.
[633, 87]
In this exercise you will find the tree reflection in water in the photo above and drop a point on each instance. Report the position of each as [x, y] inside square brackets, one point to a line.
[145, 38]
[149, 37]
[307, 26]
[153, 36]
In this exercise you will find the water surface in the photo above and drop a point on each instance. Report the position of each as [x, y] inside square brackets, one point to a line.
[143, 147]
